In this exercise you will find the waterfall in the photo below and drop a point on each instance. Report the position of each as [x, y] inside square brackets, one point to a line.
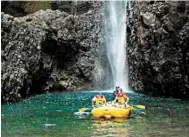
[115, 41]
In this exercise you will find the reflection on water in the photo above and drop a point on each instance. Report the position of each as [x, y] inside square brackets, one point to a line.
[52, 115]
[109, 127]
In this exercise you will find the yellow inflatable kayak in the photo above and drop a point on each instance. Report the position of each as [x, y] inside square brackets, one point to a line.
[111, 112]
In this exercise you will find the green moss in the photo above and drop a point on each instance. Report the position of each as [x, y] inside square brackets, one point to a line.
[32, 6]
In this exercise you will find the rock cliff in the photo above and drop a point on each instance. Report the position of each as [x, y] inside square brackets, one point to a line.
[48, 50]
[56, 46]
[158, 47]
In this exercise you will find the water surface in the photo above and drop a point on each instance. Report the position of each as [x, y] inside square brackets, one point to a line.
[51, 115]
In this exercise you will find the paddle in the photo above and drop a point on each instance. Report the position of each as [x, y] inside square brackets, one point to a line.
[89, 109]
[82, 113]
[84, 109]
[140, 106]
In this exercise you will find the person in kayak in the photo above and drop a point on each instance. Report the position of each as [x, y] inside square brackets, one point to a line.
[98, 100]
[115, 92]
[121, 98]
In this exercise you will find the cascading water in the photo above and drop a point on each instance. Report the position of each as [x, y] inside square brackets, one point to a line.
[115, 29]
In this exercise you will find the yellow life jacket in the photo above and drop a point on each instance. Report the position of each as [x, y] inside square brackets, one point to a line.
[121, 99]
[99, 100]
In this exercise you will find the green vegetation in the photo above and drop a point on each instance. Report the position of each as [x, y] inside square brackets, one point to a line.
[32, 6]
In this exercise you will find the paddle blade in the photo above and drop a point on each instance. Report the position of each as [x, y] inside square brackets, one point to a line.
[81, 113]
[132, 108]
[83, 109]
[140, 106]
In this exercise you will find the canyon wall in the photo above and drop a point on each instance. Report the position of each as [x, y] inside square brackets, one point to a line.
[158, 47]
[49, 50]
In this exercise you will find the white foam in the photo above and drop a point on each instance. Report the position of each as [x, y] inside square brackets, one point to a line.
[111, 91]
[81, 113]
[49, 125]
[59, 110]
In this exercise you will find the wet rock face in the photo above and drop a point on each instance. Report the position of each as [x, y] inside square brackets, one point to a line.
[48, 50]
[158, 48]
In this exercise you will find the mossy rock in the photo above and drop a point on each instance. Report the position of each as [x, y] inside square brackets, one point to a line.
[32, 6]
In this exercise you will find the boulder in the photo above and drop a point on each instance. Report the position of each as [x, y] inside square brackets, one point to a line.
[48, 50]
